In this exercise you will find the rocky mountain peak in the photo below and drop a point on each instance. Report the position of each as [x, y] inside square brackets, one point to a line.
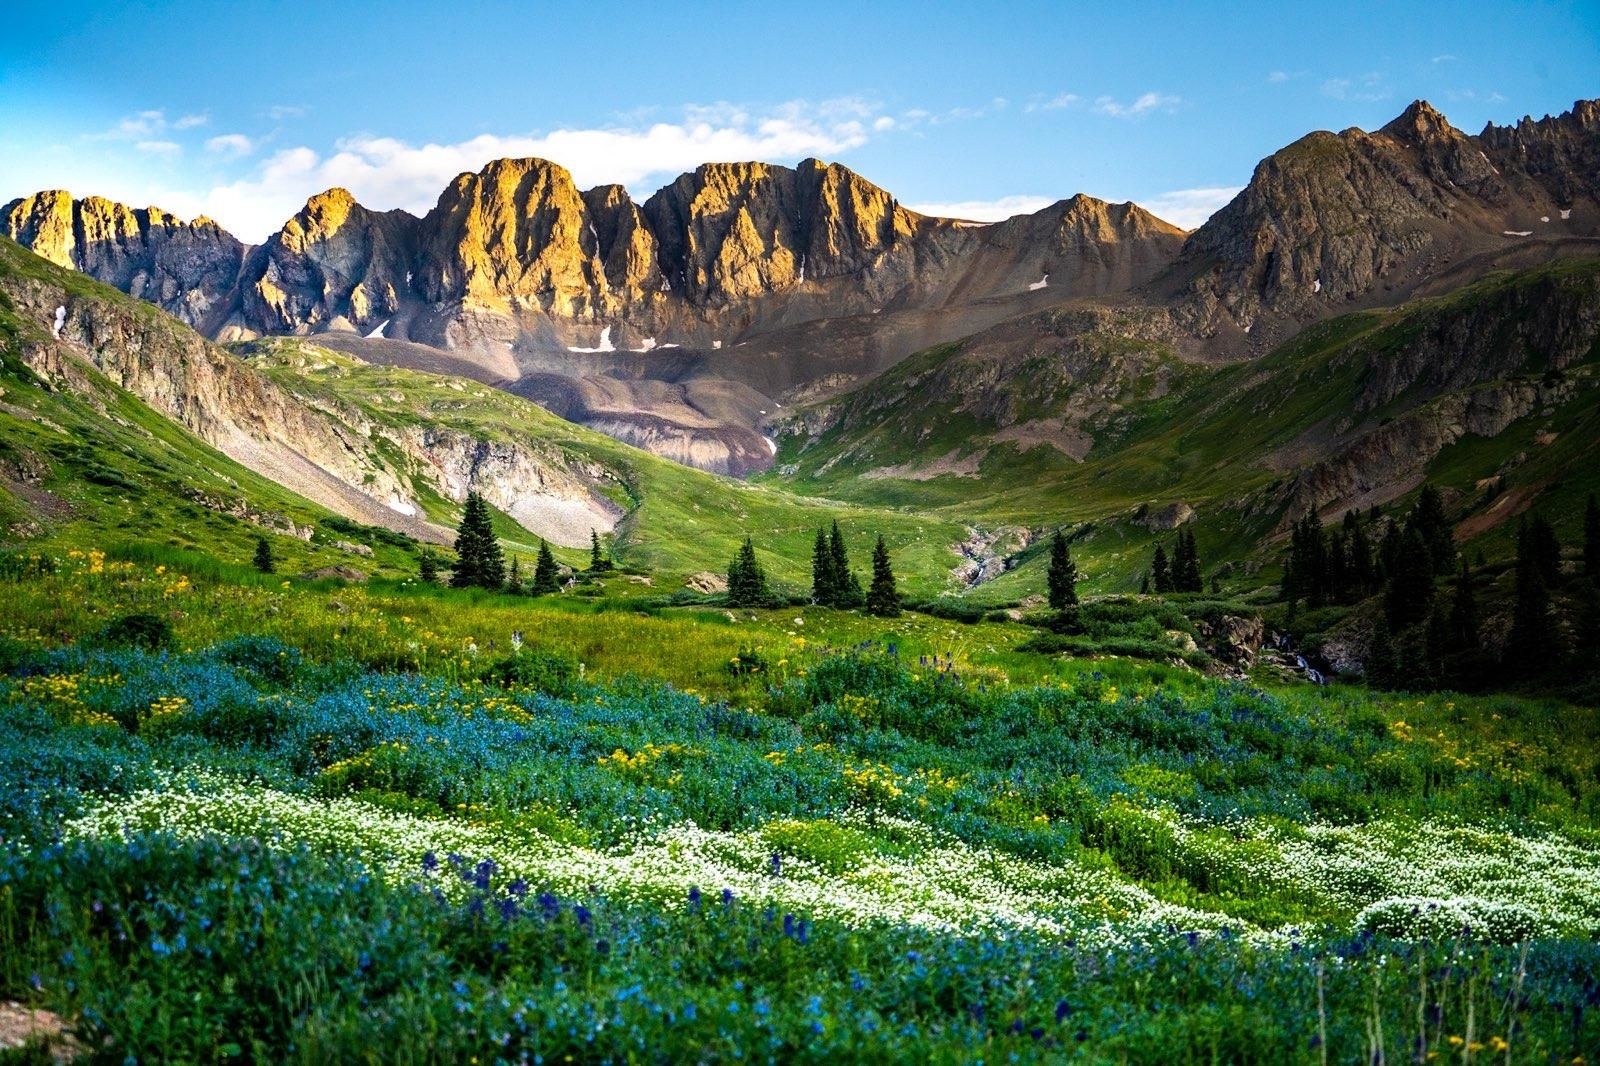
[1418, 123]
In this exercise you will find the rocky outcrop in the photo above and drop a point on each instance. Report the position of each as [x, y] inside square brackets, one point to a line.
[334, 265]
[188, 269]
[1341, 219]
[329, 452]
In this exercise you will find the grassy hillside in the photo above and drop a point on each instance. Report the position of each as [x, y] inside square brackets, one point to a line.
[1230, 442]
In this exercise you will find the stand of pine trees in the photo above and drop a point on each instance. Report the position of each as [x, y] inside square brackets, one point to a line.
[479, 561]
[1179, 574]
[599, 563]
[833, 583]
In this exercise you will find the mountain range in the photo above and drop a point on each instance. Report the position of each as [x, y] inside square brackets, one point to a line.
[1370, 305]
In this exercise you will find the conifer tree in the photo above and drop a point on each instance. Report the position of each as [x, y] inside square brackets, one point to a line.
[514, 577]
[428, 566]
[1464, 614]
[1537, 541]
[1144, 583]
[1410, 590]
[1533, 647]
[1428, 517]
[1160, 573]
[883, 599]
[1062, 578]
[598, 563]
[1187, 574]
[846, 584]
[479, 562]
[1358, 557]
[264, 561]
[747, 582]
[1588, 627]
[546, 578]
[1591, 540]
[824, 586]
[1380, 663]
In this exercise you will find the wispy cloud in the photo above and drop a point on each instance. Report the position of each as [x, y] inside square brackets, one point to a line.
[1146, 103]
[189, 122]
[995, 210]
[233, 145]
[1447, 58]
[1364, 88]
[279, 112]
[1058, 102]
[159, 147]
[1189, 208]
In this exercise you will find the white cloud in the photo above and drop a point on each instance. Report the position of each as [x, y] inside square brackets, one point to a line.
[189, 122]
[159, 147]
[279, 112]
[1447, 58]
[1148, 102]
[1054, 103]
[1189, 208]
[385, 172]
[996, 210]
[1278, 77]
[230, 144]
[1366, 88]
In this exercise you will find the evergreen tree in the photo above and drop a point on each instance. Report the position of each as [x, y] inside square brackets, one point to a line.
[1537, 541]
[546, 578]
[1380, 664]
[1588, 627]
[1062, 579]
[1410, 590]
[1428, 517]
[428, 567]
[1591, 540]
[882, 598]
[1186, 568]
[1462, 659]
[264, 561]
[514, 577]
[1358, 557]
[479, 562]
[1533, 647]
[846, 583]
[747, 582]
[1144, 583]
[1388, 551]
[824, 583]
[598, 563]
[1305, 572]
[1160, 573]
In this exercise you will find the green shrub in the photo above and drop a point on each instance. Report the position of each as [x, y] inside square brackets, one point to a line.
[549, 672]
[137, 630]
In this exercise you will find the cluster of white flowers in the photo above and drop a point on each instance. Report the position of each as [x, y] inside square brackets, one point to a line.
[1411, 879]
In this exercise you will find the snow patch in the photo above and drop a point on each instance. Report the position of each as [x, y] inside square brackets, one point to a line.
[408, 277]
[379, 331]
[1566, 213]
[1544, 218]
[61, 320]
[664, 347]
[1316, 286]
[1040, 284]
[802, 270]
[401, 506]
[716, 344]
[605, 344]
[647, 345]
[772, 445]
[1517, 232]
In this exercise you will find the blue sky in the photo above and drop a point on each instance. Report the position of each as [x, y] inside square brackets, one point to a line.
[242, 111]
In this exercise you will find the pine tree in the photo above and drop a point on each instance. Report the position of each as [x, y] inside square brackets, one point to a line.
[1588, 626]
[1358, 556]
[1537, 541]
[1144, 583]
[598, 563]
[514, 578]
[882, 598]
[264, 561]
[1533, 647]
[1427, 515]
[1591, 540]
[1380, 664]
[845, 580]
[1160, 574]
[1062, 579]
[428, 566]
[1306, 569]
[747, 582]
[1462, 660]
[824, 586]
[546, 578]
[1187, 576]
[479, 562]
[1410, 591]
